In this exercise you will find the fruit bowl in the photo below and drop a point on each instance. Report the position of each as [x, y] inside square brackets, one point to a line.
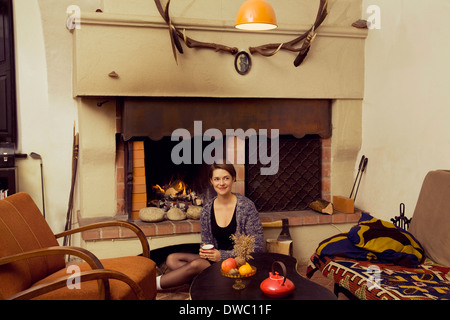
[238, 285]
[239, 276]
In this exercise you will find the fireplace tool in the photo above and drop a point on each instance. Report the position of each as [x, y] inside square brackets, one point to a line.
[364, 165]
[357, 175]
[347, 205]
[75, 149]
[37, 156]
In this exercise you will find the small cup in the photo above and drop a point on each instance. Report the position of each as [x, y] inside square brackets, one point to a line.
[208, 247]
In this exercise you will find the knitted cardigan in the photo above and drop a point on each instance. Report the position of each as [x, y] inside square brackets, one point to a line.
[247, 222]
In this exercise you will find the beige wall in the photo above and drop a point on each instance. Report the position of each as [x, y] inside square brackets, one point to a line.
[47, 111]
[32, 94]
[406, 108]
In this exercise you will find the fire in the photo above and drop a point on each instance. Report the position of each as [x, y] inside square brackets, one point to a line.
[158, 187]
[182, 186]
[177, 188]
[175, 194]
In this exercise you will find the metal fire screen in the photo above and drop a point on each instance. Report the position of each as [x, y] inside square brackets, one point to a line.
[298, 181]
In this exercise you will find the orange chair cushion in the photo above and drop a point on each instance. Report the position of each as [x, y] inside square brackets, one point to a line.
[140, 269]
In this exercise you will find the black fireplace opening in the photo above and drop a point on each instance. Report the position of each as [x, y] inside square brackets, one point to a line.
[178, 183]
[298, 181]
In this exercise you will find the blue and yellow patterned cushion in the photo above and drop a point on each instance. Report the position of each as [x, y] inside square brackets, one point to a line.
[386, 241]
[374, 239]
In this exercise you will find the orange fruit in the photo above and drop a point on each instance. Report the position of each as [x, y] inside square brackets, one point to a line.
[245, 269]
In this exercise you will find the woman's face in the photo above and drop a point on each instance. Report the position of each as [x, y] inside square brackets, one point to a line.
[222, 181]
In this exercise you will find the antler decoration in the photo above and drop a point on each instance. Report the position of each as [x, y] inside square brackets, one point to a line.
[269, 50]
[266, 50]
[175, 34]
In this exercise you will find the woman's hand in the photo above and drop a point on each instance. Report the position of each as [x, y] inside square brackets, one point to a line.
[210, 254]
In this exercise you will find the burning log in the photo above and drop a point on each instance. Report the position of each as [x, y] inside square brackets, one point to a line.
[175, 195]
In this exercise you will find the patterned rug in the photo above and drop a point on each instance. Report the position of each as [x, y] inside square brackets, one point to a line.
[369, 280]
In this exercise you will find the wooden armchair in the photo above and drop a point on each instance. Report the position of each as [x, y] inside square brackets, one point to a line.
[32, 264]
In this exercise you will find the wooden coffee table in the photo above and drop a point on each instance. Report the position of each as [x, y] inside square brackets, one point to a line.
[211, 285]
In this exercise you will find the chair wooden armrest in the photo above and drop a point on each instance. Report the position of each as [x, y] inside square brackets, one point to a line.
[84, 254]
[140, 234]
[102, 274]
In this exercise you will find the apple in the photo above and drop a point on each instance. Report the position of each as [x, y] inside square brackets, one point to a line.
[228, 264]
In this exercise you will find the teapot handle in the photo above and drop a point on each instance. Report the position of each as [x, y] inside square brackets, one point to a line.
[283, 267]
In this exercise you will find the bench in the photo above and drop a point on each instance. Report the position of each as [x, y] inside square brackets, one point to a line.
[419, 270]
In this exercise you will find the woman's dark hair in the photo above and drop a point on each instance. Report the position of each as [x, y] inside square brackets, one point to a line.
[225, 166]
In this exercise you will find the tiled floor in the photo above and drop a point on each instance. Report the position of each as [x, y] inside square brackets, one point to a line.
[182, 292]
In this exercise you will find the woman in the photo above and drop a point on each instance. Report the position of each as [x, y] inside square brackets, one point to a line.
[223, 216]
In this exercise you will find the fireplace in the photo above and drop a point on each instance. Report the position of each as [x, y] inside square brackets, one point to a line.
[300, 128]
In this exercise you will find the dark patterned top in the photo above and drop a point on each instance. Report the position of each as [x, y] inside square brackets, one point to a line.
[248, 223]
[223, 235]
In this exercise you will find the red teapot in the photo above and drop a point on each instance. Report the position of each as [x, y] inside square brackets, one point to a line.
[277, 286]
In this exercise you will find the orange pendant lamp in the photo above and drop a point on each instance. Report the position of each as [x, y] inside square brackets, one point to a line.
[256, 15]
